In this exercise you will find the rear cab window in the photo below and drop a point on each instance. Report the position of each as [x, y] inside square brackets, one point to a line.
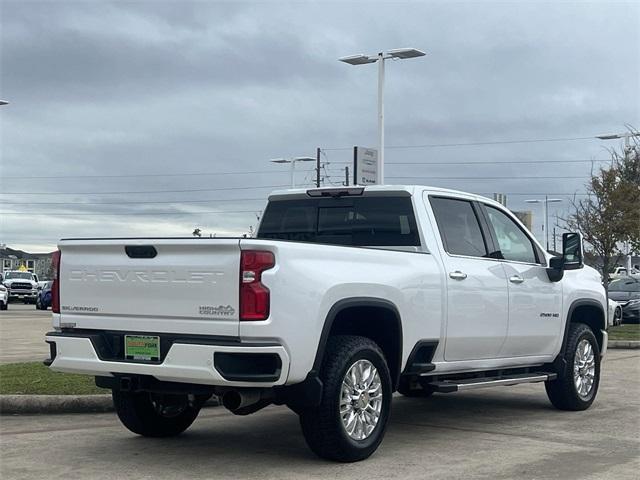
[367, 221]
[459, 227]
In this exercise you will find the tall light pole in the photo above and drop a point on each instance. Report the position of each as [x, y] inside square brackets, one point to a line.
[545, 216]
[361, 59]
[293, 162]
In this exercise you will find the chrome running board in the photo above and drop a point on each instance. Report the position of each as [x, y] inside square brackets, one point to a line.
[448, 386]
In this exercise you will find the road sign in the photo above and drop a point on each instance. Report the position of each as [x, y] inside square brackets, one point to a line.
[365, 166]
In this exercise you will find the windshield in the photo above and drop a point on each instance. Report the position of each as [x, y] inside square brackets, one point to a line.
[361, 221]
[624, 285]
[18, 275]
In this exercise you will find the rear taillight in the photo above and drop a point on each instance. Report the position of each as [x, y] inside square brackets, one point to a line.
[55, 286]
[254, 296]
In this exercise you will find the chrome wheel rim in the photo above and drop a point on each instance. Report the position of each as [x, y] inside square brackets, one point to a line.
[584, 368]
[361, 400]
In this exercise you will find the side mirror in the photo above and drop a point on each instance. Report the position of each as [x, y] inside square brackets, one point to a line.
[572, 257]
[572, 251]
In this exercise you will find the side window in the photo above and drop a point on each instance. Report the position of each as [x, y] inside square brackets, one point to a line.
[459, 227]
[514, 243]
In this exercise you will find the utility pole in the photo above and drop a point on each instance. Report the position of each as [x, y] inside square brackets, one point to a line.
[545, 216]
[318, 167]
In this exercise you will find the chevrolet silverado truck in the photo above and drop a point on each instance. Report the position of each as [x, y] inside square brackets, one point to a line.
[346, 296]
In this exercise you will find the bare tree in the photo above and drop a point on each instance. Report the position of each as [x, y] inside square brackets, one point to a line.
[628, 165]
[602, 217]
[197, 232]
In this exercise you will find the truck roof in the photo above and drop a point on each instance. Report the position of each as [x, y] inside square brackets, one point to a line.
[381, 189]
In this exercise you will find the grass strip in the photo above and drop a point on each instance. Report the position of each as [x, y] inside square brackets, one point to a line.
[626, 331]
[33, 378]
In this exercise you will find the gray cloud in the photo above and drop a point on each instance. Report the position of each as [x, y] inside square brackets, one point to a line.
[101, 88]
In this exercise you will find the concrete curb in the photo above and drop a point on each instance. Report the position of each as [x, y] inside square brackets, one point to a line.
[25, 404]
[631, 344]
[54, 404]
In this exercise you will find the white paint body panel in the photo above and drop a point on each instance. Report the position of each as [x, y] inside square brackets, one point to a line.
[102, 288]
[184, 363]
[475, 322]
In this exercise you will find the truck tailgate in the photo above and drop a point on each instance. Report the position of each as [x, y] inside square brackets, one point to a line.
[187, 286]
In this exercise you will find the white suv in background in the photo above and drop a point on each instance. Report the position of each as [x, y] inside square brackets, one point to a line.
[4, 297]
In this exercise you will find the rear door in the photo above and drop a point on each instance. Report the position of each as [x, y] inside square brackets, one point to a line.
[187, 286]
[477, 296]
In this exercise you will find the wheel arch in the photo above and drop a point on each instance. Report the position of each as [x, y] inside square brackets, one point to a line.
[591, 313]
[371, 317]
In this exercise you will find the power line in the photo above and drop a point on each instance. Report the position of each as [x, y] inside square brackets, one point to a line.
[145, 191]
[268, 172]
[135, 175]
[488, 162]
[519, 177]
[469, 144]
[138, 203]
[131, 213]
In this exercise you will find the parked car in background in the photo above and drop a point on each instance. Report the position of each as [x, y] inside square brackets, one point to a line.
[621, 272]
[21, 285]
[4, 297]
[626, 291]
[615, 313]
[43, 300]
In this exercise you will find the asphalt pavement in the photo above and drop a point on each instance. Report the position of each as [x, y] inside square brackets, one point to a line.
[22, 330]
[497, 433]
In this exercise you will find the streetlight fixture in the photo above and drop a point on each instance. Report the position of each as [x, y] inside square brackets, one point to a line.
[362, 59]
[3, 102]
[626, 136]
[545, 217]
[293, 162]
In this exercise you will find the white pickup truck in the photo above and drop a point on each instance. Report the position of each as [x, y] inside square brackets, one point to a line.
[345, 296]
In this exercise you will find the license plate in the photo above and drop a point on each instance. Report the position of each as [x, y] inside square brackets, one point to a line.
[142, 347]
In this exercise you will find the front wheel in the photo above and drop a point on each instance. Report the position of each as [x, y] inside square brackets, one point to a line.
[156, 415]
[576, 389]
[351, 419]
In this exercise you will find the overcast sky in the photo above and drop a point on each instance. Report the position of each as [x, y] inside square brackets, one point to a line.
[137, 90]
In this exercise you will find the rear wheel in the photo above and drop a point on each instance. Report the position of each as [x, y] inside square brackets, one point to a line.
[4, 305]
[156, 415]
[351, 419]
[576, 389]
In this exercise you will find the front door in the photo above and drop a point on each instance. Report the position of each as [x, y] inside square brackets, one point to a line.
[535, 303]
[477, 294]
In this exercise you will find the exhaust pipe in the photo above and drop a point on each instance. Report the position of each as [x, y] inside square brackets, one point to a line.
[244, 402]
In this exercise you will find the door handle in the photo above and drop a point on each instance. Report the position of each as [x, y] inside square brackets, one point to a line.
[516, 279]
[457, 275]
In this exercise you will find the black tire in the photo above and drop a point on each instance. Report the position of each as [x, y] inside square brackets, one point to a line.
[38, 304]
[140, 413]
[322, 426]
[563, 392]
[4, 305]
